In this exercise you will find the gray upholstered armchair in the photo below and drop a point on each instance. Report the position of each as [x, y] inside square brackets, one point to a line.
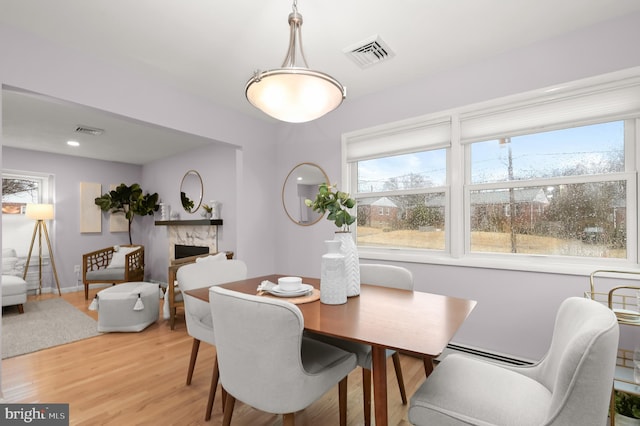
[112, 265]
[570, 386]
[265, 361]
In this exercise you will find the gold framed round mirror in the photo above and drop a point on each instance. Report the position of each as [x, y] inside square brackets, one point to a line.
[302, 183]
[191, 190]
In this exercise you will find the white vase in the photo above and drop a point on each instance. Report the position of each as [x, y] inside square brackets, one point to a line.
[165, 211]
[333, 289]
[352, 262]
[216, 207]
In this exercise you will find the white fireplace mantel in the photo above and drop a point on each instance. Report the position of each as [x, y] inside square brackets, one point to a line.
[199, 232]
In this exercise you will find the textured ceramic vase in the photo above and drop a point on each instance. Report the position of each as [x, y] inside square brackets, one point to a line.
[216, 207]
[165, 211]
[352, 262]
[333, 289]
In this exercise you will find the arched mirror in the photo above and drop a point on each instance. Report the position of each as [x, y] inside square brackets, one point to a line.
[302, 183]
[191, 190]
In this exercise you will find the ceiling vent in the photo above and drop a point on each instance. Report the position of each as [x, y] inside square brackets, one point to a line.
[89, 130]
[369, 52]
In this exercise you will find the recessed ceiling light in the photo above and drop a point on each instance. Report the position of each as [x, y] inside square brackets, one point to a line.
[73, 143]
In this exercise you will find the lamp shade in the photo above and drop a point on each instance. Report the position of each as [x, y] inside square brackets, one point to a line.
[294, 93]
[39, 211]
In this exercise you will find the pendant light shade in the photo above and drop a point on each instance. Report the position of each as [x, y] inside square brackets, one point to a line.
[294, 93]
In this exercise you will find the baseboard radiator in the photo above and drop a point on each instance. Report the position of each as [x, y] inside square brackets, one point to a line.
[454, 348]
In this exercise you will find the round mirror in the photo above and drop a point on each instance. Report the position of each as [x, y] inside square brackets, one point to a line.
[302, 183]
[191, 190]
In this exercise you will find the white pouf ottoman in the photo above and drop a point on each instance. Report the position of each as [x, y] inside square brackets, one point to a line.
[120, 310]
[14, 292]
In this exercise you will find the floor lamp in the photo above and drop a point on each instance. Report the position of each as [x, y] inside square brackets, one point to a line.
[40, 213]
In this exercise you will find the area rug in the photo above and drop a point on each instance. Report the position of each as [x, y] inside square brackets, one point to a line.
[44, 324]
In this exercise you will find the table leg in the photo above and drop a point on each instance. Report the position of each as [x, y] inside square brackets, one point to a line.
[379, 366]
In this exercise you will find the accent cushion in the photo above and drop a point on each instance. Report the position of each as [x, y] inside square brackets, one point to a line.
[118, 257]
[106, 274]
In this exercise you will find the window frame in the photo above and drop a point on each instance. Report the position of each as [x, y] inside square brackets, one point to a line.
[458, 187]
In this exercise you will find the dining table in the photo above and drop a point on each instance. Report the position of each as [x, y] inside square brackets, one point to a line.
[413, 322]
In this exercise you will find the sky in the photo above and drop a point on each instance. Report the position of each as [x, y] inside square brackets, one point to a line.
[538, 155]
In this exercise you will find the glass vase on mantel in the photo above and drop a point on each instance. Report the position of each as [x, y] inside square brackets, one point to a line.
[351, 262]
[333, 289]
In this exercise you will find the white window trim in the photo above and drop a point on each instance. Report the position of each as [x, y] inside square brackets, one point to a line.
[457, 158]
[46, 180]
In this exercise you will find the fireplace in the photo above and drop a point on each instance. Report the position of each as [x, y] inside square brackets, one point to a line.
[191, 237]
[181, 250]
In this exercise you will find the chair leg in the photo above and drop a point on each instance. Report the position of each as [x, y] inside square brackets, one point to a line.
[212, 391]
[288, 419]
[366, 395]
[86, 291]
[20, 308]
[224, 398]
[228, 409]
[192, 361]
[398, 368]
[172, 317]
[342, 401]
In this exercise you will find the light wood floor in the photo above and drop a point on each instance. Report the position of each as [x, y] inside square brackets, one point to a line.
[139, 379]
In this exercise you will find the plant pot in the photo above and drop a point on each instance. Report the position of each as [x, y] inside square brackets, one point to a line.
[621, 420]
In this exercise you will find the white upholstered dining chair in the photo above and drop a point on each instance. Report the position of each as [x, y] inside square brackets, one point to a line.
[205, 272]
[570, 386]
[385, 276]
[266, 362]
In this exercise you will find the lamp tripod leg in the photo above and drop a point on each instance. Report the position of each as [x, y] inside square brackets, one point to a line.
[33, 238]
[53, 263]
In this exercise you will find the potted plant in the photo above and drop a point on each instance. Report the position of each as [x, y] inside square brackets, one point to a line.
[208, 211]
[130, 200]
[627, 409]
[338, 203]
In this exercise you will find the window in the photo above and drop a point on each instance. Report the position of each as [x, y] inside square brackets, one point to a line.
[534, 176]
[18, 190]
[549, 173]
[416, 199]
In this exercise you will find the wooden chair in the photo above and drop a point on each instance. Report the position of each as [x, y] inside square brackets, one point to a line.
[114, 265]
[173, 293]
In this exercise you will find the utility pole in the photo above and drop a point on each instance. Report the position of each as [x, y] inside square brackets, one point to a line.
[512, 197]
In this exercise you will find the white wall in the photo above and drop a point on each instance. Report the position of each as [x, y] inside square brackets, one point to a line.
[515, 310]
[216, 164]
[35, 64]
[94, 83]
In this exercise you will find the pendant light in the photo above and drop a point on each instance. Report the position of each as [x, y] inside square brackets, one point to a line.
[294, 93]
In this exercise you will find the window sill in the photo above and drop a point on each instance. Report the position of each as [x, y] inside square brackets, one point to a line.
[524, 263]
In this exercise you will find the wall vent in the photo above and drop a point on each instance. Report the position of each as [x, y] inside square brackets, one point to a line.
[89, 130]
[369, 52]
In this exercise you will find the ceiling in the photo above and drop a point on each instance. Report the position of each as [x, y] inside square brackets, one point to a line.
[211, 48]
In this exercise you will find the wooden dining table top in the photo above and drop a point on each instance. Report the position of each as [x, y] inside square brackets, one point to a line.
[410, 321]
